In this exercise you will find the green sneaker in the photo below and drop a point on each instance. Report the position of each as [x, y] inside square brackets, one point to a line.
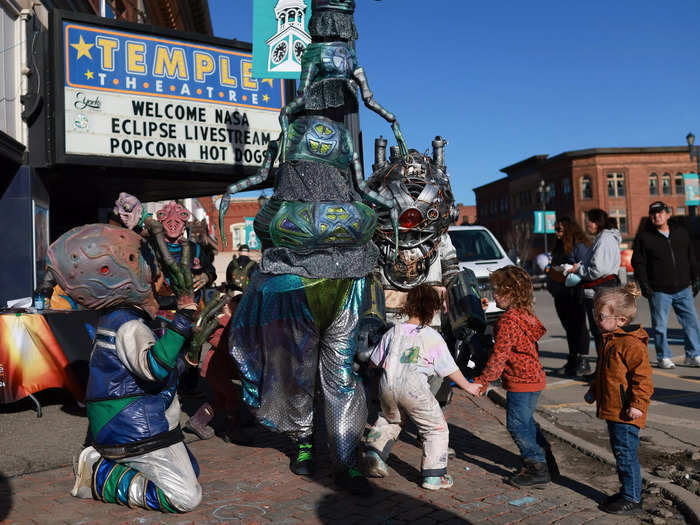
[352, 480]
[303, 465]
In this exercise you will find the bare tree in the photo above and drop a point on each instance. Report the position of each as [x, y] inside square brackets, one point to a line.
[518, 240]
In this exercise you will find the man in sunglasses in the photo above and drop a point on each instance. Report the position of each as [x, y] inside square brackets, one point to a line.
[666, 268]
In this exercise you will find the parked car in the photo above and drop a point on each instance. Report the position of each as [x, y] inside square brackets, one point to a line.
[478, 250]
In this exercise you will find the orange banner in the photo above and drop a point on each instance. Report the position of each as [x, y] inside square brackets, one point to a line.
[31, 359]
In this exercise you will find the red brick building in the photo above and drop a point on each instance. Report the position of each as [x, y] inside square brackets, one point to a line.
[621, 181]
[467, 214]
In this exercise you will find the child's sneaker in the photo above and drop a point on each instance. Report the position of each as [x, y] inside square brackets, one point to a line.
[374, 465]
[665, 363]
[437, 482]
[83, 473]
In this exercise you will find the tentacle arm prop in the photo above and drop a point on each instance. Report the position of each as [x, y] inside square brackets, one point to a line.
[207, 323]
[261, 176]
[368, 98]
[371, 195]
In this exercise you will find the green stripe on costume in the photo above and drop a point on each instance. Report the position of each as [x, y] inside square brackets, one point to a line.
[111, 484]
[165, 505]
[167, 348]
[101, 412]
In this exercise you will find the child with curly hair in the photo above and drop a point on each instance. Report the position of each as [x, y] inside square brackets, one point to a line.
[409, 355]
[622, 388]
[515, 361]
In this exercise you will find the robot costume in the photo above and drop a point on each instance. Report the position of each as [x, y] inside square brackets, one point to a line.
[298, 317]
[138, 457]
[421, 192]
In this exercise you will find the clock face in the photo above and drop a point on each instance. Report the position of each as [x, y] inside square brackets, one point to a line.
[279, 52]
[299, 48]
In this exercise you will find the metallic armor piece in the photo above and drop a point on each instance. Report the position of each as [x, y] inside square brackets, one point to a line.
[420, 189]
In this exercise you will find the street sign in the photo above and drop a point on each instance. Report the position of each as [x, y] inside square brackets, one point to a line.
[280, 36]
[692, 189]
[544, 221]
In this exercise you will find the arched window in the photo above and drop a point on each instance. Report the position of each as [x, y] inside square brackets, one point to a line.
[586, 187]
[666, 184]
[680, 187]
[653, 184]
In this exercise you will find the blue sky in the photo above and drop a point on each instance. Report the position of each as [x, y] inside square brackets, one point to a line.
[503, 81]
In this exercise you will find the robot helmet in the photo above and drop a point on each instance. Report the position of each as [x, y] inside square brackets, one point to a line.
[100, 265]
[421, 192]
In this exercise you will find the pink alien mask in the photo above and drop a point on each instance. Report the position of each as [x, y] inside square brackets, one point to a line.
[129, 210]
[173, 217]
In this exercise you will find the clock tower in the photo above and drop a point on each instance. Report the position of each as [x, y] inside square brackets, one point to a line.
[287, 45]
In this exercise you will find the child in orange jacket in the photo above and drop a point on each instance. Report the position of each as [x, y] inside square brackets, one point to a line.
[622, 389]
[515, 361]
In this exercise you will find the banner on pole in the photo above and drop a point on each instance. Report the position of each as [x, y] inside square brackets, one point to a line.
[544, 221]
[692, 189]
[250, 238]
[280, 36]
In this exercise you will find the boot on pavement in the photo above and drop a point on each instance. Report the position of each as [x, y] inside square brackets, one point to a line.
[583, 367]
[535, 474]
[374, 465]
[197, 424]
[83, 471]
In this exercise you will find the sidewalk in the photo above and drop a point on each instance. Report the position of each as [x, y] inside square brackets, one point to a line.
[254, 485]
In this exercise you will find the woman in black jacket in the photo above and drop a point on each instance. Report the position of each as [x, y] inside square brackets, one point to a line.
[570, 247]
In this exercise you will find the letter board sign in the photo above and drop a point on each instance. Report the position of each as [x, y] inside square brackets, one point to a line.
[134, 93]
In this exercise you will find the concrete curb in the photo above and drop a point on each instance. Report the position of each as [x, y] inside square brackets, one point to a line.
[687, 502]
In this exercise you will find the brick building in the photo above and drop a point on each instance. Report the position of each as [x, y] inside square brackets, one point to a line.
[467, 214]
[621, 181]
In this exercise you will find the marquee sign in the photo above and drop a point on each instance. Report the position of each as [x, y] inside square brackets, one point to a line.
[133, 95]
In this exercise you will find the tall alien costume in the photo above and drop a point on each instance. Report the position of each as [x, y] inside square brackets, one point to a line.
[420, 189]
[298, 317]
[139, 457]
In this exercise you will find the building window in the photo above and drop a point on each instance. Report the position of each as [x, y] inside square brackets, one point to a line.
[616, 185]
[238, 234]
[653, 184]
[586, 187]
[566, 187]
[680, 187]
[621, 217]
[666, 184]
[680, 210]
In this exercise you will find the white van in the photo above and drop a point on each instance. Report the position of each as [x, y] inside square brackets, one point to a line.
[478, 250]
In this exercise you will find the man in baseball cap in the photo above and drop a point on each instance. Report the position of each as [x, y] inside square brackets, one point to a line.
[666, 268]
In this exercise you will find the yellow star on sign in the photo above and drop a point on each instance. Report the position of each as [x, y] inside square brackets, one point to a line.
[89, 74]
[268, 80]
[266, 98]
[83, 48]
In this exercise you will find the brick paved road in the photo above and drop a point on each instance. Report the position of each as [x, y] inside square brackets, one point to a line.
[254, 485]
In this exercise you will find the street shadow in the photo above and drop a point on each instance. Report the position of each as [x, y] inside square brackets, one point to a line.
[671, 396]
[5, 497]
[387, 506]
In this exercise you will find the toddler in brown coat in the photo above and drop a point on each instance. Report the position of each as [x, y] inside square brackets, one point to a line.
[622, 389]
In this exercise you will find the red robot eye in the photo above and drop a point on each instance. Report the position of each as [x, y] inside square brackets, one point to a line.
[410, 218]
[104, 270]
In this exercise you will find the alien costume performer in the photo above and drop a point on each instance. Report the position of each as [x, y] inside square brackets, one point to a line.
[139, 457]
[298, 317]
[423, 199]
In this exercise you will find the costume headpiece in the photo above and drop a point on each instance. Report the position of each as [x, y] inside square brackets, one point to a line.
[101, 265]
[173, 217]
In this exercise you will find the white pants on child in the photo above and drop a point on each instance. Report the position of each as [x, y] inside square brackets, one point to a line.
[411, 395]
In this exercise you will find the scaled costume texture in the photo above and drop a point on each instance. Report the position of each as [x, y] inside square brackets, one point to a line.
[138, 457]
[299, 315]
